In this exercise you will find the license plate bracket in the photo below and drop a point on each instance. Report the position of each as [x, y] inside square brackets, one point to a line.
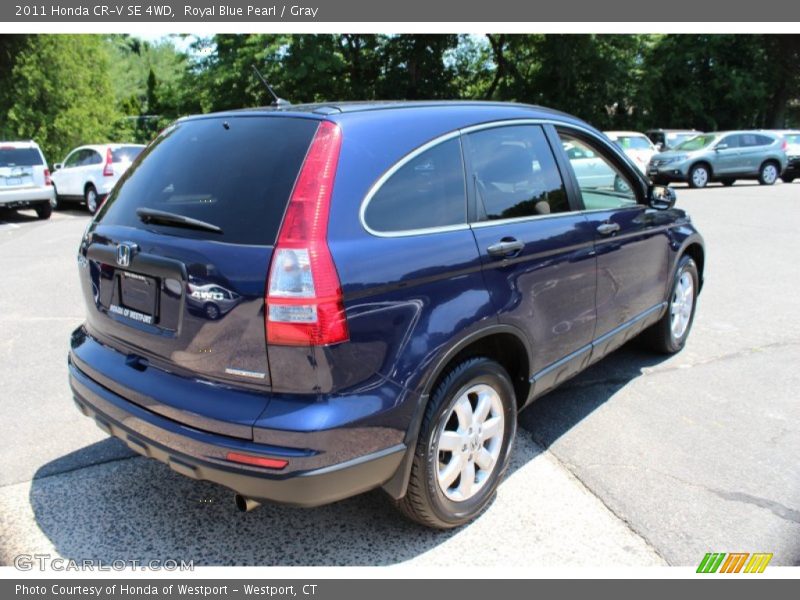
[139, 292]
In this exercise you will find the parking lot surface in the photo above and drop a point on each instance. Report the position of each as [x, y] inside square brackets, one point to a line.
[642, 460]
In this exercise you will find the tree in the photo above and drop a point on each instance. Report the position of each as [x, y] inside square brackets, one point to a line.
[60, 93]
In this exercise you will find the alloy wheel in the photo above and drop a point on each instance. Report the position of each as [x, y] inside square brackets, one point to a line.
[682, 303]
[469, 443]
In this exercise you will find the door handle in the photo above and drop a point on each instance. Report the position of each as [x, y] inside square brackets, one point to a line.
[505, 248]
[608, 228]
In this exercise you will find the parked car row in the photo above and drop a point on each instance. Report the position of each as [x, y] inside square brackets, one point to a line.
[87, 175]
[677, 155]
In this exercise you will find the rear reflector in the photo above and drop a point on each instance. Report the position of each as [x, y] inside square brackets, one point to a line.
[304, 296]
[257, 461]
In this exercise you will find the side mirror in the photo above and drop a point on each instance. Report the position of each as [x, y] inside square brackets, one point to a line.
[721, 147]
[659, 147]
[661, 197]
[57, 166]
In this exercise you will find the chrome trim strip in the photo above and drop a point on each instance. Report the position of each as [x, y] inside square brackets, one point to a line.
[454, 134]
[481, 224]
[560, 363]
[620, 328]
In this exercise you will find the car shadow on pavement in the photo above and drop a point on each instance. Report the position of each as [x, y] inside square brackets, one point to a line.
[554, 414]
[116, 505]
[29, 215]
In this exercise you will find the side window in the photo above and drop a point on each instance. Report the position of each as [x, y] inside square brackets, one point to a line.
[763, 140]
[428, 191]
[602, 185]
[515, 173]
[732, 141]
[73, 159]
[92, 158]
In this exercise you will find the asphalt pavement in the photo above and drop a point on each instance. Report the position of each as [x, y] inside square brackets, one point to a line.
[640, 461]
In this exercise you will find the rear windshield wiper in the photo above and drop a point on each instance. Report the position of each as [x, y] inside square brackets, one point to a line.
[151, 215]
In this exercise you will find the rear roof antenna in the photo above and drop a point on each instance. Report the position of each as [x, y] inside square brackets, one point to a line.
[276, 101]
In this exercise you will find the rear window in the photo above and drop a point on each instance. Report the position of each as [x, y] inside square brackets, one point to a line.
[19, 157]
[235, 173]
[126, 153]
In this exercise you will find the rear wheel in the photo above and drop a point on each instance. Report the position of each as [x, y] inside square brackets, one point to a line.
[212, 311]
[728, 182]
[464, 445]
[669, 334]
[699, 176]
[768, 174]
[90, 198]
[44, 210]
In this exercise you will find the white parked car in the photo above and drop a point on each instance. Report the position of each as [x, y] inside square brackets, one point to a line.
[88, 173]
[25, 179]
[636, 145]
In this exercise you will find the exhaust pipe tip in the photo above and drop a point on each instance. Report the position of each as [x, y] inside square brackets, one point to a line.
[245, 504]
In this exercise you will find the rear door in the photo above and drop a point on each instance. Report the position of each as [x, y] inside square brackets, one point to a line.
[188, 297]
[754, 151]
[631, 244]
[536, 248]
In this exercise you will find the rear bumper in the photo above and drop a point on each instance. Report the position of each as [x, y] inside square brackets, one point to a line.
[318, 471]
[186, 454]
[24, 197]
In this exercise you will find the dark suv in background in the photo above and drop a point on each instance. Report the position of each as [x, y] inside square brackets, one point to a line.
[406, 276]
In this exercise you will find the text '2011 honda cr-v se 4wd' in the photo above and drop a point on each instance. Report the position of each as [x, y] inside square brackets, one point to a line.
[303, 303]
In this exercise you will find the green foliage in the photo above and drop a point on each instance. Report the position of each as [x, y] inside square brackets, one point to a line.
[59, 93]
[66, 90]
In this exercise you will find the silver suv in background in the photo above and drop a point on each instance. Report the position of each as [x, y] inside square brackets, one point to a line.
[722, 156]
[25, 179]
[88, 173]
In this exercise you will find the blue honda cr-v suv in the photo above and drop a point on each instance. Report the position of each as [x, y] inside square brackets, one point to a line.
[303, 303]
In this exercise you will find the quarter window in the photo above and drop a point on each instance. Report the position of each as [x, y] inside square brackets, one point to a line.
[602, 184]
[426, 192]
[515, 173]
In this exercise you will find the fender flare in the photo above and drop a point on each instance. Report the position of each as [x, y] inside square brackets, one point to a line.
[398, 484]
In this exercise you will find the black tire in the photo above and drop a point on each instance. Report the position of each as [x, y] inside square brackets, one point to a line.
[660, 337]
[728, 182]
[91, 199]
[212, 311]
[425, 502]
[769, 173]
[787, 178]
[695, 180]
[44, 210]
[57, 203]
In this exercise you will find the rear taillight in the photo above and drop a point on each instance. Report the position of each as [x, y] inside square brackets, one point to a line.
[47, 180]
[108, 170]
[785, 146]
[304, 304]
